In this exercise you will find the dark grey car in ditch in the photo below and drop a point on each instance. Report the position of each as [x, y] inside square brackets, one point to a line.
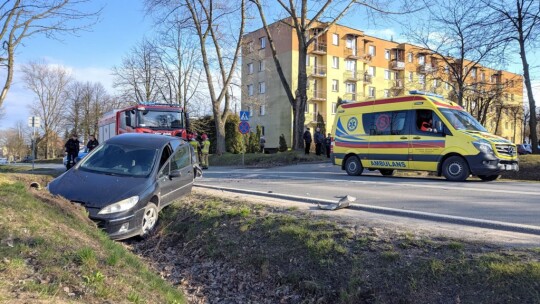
[125, 182]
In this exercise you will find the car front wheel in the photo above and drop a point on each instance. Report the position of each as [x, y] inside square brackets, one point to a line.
[455, 169]
[353, 166]
[150, 218]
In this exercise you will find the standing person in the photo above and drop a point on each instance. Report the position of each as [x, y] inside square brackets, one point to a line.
[319, 139]
[72, 150]
[327, 144]
[198, 140]
[205, 151]
[195, 144]
[307, 140]
[261, 143]
[92, 143]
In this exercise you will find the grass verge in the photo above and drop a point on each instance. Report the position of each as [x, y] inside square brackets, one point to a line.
[529, 168]
[51, 252]
[325, 262]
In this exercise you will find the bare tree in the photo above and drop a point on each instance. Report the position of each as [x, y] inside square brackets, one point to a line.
[309, 20]
[21, 19]
[219, 27]
[459, 35]
[521, 21]
[139, 75]
[180, 64]
[49, 84]
[14, 140]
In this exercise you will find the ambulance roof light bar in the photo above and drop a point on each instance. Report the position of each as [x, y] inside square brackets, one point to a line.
[417, 92]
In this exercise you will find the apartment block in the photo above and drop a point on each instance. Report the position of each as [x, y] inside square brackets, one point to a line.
[344, 63]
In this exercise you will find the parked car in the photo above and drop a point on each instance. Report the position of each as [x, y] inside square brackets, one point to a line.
[80, 156]
[125, 182]
[4, 161]
[524, 149]
[27, 159]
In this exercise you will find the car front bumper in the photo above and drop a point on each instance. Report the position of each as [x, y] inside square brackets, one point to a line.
[118, 227]
[484, 164]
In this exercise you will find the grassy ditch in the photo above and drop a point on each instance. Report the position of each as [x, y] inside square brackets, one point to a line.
[51, 252]
[529, 168]
[302, 258]
[265, 160]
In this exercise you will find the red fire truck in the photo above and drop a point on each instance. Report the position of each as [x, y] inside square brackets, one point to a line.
[153, 118]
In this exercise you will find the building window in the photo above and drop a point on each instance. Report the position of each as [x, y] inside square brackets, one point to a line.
[307, 60]
[435, 83]
[350, 87]
[386, 93]
[387, 75]
[483, 76]
[371, 50]
[262, 110]
[371, 91]
[473, 72]
[261, 65]
[447, 69]
[250, 47]
[335, 39]
[315, 111]
[250, 68]
[349, 42]
[334, 106]
[250, 89]
[387, 54]
[409, 57]
[262, 42]
[307, 107]
[446, 86]
[335, 85]
[262, 87]
[350, 65]
[371, 71]
[410, 76]
[335, 62]
[421, 60]
[250, 110]
[421, 79]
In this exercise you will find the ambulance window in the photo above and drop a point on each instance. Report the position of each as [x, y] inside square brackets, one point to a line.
[388, 123]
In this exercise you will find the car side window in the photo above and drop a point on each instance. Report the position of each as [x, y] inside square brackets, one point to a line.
[181, 159]
[165, 154]
[387, 123]
[165, 170]
[427, 122]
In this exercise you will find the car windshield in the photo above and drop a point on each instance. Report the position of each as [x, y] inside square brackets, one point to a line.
[120, 160]
[462, 120]
[155, 119]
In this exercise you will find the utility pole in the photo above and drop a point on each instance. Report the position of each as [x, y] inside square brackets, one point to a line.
[33, 122]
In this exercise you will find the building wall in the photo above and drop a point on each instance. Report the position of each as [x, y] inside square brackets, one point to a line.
[383, 69]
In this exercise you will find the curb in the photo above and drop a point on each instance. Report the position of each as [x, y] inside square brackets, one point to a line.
[466, 221]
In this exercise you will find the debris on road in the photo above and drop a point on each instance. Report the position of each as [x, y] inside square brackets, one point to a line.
[342, 203]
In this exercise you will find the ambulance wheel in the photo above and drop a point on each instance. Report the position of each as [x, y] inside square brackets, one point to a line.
[353, 166]
[386, 172]
[488, 178]
[455, 169]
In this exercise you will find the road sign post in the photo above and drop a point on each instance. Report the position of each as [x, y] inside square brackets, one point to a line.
[243, 127]
[244, 115]
[34, 122]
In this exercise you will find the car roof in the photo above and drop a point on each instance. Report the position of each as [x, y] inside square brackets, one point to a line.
[154, 141]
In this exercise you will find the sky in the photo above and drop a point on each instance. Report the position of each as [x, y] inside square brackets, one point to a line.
[90, 55]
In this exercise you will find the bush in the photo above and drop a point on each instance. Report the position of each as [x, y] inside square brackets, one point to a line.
[282, 143]
[233, 137]
[253, 143]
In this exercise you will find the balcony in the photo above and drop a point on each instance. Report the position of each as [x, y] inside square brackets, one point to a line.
[398, 65]
[318, 48]
[367, 78]
[316, 95]
[397, 84]
[426, 68]
[366, 58]
[318, 71]
[353, 75]
[352, 53]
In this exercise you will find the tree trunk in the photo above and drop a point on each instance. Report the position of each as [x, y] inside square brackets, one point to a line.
[9, 76]
[532, 106]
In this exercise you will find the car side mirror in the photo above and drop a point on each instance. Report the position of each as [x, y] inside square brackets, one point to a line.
[175, 173]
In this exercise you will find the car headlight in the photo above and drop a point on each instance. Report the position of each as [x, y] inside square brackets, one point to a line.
[120, 206]
[483, 147]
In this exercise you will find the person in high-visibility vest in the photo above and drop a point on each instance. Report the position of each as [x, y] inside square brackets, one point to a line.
[205, 151]
[195, 144]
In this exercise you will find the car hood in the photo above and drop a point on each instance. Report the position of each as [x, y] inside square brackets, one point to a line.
[477, 135]
[97, 190]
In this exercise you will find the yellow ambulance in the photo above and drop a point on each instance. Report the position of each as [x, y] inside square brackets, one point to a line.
[422, 131]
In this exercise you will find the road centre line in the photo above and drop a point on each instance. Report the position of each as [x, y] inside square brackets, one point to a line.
[407, 184]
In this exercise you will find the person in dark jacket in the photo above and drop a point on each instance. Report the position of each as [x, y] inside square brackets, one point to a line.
[319, 139]
[72, 150]
[327, 144]
[92, 143]
[307, 140]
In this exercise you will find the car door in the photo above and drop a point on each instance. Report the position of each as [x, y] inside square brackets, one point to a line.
[181, 165]
[426, 145]
[167, 183]
[389, 140]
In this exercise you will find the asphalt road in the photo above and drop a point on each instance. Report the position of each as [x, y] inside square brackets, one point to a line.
[505, 201]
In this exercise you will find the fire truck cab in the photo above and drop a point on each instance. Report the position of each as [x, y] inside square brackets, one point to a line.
[151, 118]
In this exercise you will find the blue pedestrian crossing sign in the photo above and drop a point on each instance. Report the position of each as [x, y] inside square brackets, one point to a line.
[244, 115]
